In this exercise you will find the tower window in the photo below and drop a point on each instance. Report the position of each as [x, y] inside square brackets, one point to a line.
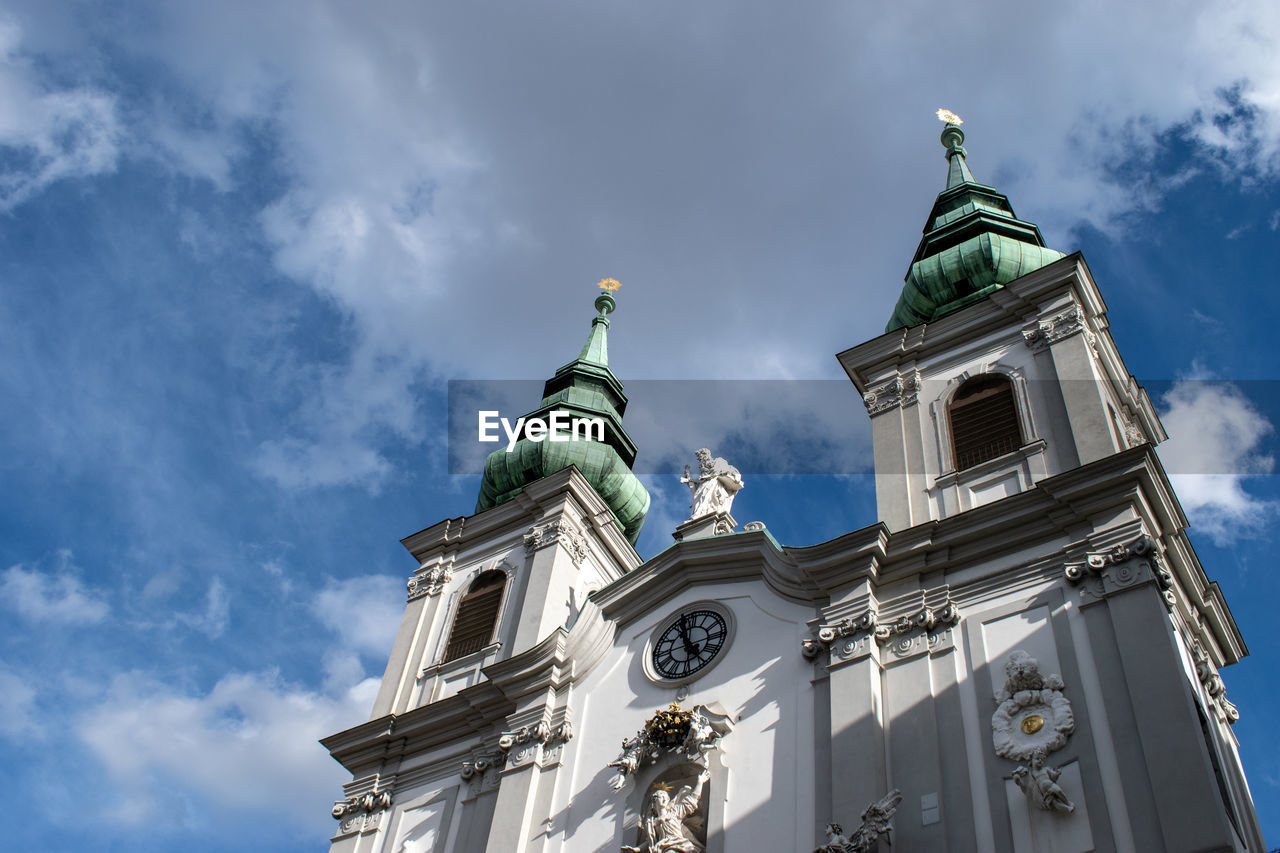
[984, 420]
[477, 618]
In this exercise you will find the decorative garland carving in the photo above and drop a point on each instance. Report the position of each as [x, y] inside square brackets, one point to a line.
[691, 733]
[902, 390]
[561, 530]
[877, 820]
[1115, 569]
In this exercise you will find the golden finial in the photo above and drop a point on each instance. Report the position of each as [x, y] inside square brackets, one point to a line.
[610, 284]
[945, 115]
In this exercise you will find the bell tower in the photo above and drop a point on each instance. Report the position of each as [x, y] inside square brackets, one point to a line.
[970, 406]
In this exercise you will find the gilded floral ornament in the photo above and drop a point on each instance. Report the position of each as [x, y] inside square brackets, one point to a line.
[609, 284]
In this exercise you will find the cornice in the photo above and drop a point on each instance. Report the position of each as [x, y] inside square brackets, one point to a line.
[513, 518]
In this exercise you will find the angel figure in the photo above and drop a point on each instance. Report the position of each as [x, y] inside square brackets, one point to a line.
[1040, 784]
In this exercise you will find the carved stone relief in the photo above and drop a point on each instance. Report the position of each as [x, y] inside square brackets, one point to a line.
[1121, 567]
[902, 390]
[690, 734]
[561, 531]
[877, 821]
[1031, 711]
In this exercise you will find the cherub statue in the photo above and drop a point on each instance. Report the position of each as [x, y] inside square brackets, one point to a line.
[635, 750]
[662, 829]
[1040, 783]
[713, 489]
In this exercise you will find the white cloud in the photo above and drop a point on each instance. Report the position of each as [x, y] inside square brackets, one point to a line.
[49, 133]
[1214, 447]
[212, 621]
[442, 180]
[54, 597]
[18, 718]
[248, 745]
[364, 612]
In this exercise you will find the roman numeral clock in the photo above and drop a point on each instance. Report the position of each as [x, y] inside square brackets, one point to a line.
[689, 642]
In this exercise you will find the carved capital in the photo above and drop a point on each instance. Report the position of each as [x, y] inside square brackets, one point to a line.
[430, 580]
[902, 390]
[361, 812]
[907, 626]
[526, 744]
[1207, 673]
[1050, 330]
[480, 771]
[561, 531]
[1125, 565]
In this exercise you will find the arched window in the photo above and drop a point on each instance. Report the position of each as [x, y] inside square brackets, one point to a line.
[984, 420]
[477, 617]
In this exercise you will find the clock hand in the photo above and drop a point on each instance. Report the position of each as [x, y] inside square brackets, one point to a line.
[690, 647]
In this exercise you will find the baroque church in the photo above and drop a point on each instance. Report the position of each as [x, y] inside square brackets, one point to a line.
[1020, 655]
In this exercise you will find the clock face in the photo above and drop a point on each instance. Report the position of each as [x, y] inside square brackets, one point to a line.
[689, 643]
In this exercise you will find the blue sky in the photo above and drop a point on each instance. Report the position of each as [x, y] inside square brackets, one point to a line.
[243, 248]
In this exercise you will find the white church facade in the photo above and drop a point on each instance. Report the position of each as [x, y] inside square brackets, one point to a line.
[1021, 655]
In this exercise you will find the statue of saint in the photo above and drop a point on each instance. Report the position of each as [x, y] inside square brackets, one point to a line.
[663, 829]
[714, 487]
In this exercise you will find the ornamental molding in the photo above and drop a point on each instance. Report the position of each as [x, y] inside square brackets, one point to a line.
[1125, 565]
[541, 741]
[1212, 684]
[361, 812]
[689, 734]
[902, 390]
[562, 531]
[910, 625]
[877, 821]
[430, 580]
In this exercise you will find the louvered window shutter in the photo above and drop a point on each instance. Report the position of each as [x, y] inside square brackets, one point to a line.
[984, 421]
[477, 617]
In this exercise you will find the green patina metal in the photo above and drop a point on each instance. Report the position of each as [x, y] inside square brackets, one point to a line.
[973, 243]
[584, 388]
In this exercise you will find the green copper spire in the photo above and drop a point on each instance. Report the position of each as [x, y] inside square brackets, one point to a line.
[584, 389]
[596, 349]
[973, 243]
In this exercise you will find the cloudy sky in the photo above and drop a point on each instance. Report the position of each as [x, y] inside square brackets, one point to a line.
[244, 246]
